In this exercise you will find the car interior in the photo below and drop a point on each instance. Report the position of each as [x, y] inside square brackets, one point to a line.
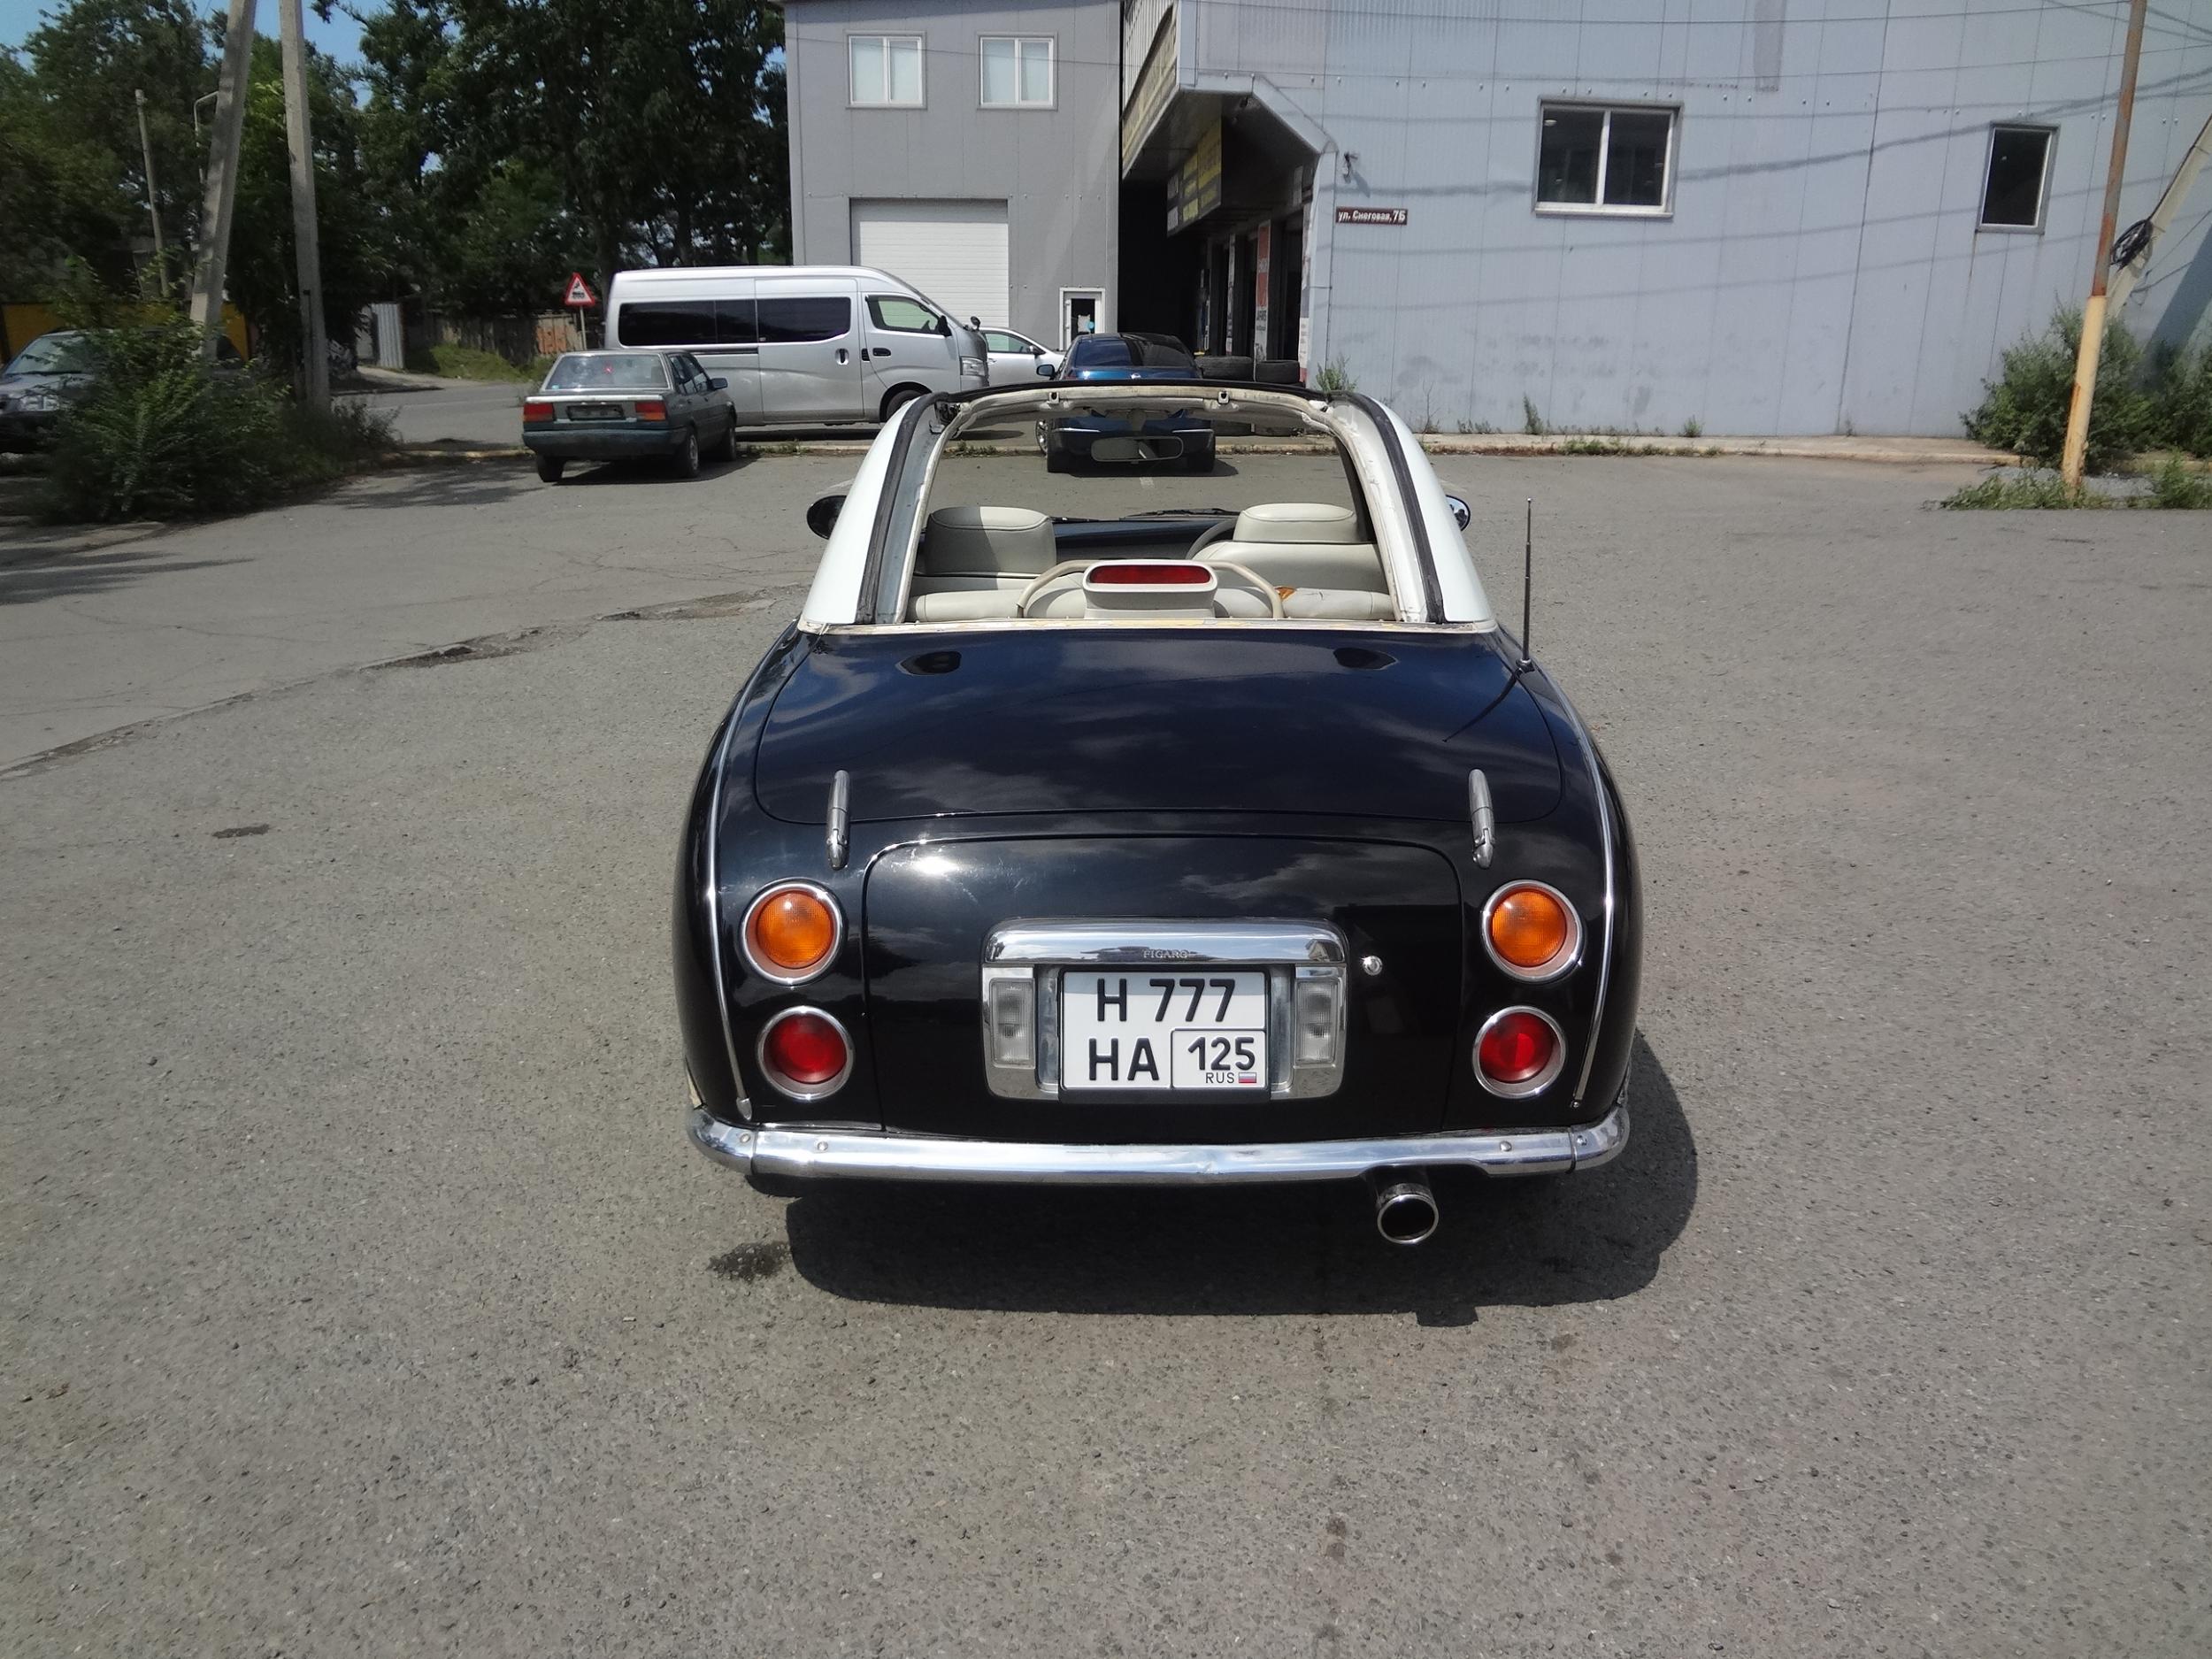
[1032, 550]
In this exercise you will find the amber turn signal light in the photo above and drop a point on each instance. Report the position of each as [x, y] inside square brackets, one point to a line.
[791, 932]
[1532, 931]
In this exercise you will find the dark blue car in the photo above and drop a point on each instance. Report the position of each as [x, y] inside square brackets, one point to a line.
[1120, 358]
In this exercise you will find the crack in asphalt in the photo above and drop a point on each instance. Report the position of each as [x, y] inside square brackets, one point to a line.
[481, 647]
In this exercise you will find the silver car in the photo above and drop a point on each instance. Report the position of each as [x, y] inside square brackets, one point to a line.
[627, 405]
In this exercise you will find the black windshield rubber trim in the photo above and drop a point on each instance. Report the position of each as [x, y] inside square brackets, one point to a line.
[1431, 594]
[872, 572]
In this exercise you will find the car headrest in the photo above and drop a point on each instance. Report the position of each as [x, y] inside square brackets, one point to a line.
[1297, 521]
[986, 541]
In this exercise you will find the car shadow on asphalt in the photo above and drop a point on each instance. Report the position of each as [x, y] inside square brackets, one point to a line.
[1299, 1250]
[487, 483]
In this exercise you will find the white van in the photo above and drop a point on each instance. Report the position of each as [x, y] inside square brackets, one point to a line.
[800, 345]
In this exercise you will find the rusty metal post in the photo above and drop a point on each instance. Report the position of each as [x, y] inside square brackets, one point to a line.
[2092, 314]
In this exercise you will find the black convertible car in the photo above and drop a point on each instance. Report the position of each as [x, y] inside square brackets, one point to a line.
[1154, 828]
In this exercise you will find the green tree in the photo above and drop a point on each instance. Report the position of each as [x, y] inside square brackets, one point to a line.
[263, 260]
[665, 134]
[88, 61]
[59, 195]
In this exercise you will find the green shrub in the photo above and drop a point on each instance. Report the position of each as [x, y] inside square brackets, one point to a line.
[1333, 378]
[2024, 409]
[2042, 491]
[2176, 485]
[1532, 423]
[163, 435]
[467, 363]
[2180, 386]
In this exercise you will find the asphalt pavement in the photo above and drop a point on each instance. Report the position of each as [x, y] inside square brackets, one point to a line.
[429, 409]
[362, 1297]
[104, 628]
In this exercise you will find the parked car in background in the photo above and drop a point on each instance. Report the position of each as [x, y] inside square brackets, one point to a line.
[1016, 359]
[628, 406]
[54, 372]
[1180, 436]
[1187, 833]
[800, 345]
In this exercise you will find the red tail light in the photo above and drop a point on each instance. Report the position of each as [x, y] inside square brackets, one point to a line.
[1181, 574]
[1519, 1052]
[651, 409]
[805, 1053]
[535, 410]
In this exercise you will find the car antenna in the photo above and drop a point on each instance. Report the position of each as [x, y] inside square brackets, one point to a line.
[1528, 571]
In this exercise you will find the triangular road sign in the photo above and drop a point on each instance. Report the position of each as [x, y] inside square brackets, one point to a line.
[578, 291]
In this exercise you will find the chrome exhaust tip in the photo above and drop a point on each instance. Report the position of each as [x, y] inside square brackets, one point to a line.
[1405, 1209]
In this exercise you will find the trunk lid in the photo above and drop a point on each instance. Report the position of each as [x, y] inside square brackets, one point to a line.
[1183, 720]
[930, 907]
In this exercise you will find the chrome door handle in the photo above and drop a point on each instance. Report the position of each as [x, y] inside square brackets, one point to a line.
[842, 355]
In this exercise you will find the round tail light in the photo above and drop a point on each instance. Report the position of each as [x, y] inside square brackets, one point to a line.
[1531, 931]
[791, 932]
[806, 1053]
[1518, 1053]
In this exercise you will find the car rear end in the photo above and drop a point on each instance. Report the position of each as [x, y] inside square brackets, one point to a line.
[1121, 360]
[600, 406]
[1139, 949]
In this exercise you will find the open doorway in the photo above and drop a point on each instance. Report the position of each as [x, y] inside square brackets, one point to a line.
[1082, 311]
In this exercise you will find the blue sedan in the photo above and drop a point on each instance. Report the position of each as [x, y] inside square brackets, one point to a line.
[1118, 360]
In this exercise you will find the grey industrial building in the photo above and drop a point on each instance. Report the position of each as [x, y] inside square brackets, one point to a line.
[1763, 216]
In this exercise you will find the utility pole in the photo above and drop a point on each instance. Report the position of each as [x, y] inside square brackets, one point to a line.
[315, 376]
[146, 148]
[222, 174]
[2092, 314]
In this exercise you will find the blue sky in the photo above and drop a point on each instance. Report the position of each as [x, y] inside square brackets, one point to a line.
[339, 37]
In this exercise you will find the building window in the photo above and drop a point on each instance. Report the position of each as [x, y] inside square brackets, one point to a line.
[1598, 160]
[887, 69]
[1016, 73]
[2019, 162]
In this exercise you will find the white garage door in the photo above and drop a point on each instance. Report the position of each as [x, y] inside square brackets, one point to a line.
[953, 251]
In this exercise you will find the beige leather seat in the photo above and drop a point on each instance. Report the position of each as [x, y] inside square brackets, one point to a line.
[975, 561]
[1304, 544]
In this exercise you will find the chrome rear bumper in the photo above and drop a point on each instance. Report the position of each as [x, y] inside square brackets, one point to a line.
[800, 1154]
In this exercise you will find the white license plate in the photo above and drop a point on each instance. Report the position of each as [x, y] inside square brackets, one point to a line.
[1174, 1029]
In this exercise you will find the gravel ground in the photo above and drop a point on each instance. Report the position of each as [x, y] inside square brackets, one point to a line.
[361, 1296]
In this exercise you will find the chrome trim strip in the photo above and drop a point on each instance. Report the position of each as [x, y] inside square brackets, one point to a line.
[776, 976]
[801, 1153]
[1079, 944]
[839, 834]
[714, 894]
[1565, 962]
[1288, 950]
[1544, 1079]
[1484, 817]
[790, 1087]
[1605, 834]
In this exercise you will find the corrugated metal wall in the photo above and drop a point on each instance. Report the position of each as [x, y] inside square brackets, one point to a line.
[1822, 269]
